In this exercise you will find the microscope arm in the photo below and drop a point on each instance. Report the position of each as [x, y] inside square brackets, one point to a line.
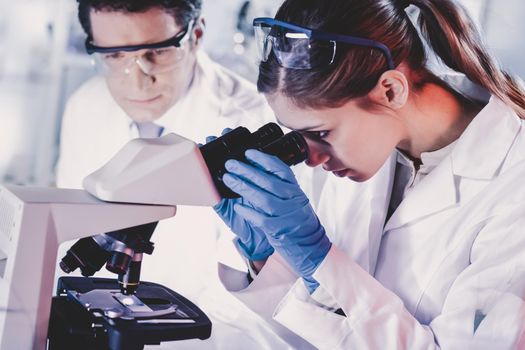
[33, 224]
[169, 170]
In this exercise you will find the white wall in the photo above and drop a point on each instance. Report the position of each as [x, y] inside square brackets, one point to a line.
[504, 29]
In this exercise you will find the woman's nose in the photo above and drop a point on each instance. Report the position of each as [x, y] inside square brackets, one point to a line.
[316, 155]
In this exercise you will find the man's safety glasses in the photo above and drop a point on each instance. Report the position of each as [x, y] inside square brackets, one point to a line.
[151, 58]
[304, 48]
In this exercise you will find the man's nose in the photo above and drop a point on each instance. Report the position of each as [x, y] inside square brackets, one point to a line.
[316, 155]
[145, 66]
[139, 75]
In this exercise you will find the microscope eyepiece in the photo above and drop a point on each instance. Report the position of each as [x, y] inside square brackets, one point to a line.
[290, 148]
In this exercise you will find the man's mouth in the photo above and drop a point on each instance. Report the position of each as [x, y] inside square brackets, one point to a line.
[143, 100]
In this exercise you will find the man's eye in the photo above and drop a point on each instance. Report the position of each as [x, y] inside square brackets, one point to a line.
[113, 56]
[158, 55]
[160, 52]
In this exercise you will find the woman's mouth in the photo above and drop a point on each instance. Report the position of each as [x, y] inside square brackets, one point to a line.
[342, 173]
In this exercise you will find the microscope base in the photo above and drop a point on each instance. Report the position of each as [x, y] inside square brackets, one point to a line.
[78, 326]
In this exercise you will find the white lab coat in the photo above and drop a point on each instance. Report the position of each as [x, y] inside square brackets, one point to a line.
[94, 128]
[446, 271]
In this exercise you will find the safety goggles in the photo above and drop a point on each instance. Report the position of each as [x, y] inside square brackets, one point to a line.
[304, 48]
[151, 58]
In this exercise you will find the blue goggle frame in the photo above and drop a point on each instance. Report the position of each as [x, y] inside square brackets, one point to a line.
[173, 41]
[314, 34]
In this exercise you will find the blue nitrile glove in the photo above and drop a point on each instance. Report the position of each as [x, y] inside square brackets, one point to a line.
[252, 243]
[274, 203]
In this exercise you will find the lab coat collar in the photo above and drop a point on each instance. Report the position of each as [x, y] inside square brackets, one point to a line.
[485, 143]
[479, 153]
[435, 192]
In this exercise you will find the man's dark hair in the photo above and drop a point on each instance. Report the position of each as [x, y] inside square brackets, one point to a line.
[184, 11]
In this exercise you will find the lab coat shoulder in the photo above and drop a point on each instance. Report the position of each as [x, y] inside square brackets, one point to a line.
[238, 99]
[91, 98]
[93, 127]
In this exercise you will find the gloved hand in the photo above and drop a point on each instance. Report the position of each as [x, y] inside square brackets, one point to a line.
[274, 203]
[252, 242]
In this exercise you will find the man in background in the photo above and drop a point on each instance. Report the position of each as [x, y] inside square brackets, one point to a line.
[155, 80]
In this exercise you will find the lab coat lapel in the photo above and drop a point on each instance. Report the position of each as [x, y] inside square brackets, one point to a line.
[434, 193]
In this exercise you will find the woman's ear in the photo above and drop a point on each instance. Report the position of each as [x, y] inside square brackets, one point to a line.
[391, 90]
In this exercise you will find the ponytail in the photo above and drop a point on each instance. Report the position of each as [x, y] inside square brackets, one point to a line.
[455, 39]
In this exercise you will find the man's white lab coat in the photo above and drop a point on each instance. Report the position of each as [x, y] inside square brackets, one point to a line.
[95, 128]
[446, 270]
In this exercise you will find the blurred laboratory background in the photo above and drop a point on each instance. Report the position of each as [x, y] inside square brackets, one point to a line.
[42, 61]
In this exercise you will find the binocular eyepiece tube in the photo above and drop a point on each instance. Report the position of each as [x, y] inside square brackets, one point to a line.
[290, 148]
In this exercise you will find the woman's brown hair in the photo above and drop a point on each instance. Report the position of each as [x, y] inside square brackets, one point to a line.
[445, 25]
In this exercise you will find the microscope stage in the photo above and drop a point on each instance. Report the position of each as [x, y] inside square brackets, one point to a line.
[92, 313]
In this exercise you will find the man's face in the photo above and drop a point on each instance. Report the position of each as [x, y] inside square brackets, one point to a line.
[144, 97]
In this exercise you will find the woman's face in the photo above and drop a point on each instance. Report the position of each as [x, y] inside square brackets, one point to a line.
[352, 141]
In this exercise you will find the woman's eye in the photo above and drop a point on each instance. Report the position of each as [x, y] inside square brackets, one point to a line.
[318, 135]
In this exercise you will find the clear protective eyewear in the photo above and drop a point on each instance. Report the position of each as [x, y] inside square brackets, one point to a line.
[299, 47]
[151, 58]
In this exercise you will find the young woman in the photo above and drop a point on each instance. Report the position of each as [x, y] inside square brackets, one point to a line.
[445, 218]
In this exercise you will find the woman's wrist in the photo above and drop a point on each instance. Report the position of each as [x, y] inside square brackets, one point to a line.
[257, 265]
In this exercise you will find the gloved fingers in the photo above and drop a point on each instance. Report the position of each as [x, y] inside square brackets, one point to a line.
[274, 228]
[219, 207]
[271, 164]
[260, 252]
[266, 181]
[210, 138]
[255, 218]
[304, 253]
[225, 208]
[253, 196]
[225, 131]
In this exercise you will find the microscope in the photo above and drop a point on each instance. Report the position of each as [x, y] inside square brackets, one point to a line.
[114, 219]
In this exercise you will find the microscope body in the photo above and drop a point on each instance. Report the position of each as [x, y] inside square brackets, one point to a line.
[34, 222]
[162, 173]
